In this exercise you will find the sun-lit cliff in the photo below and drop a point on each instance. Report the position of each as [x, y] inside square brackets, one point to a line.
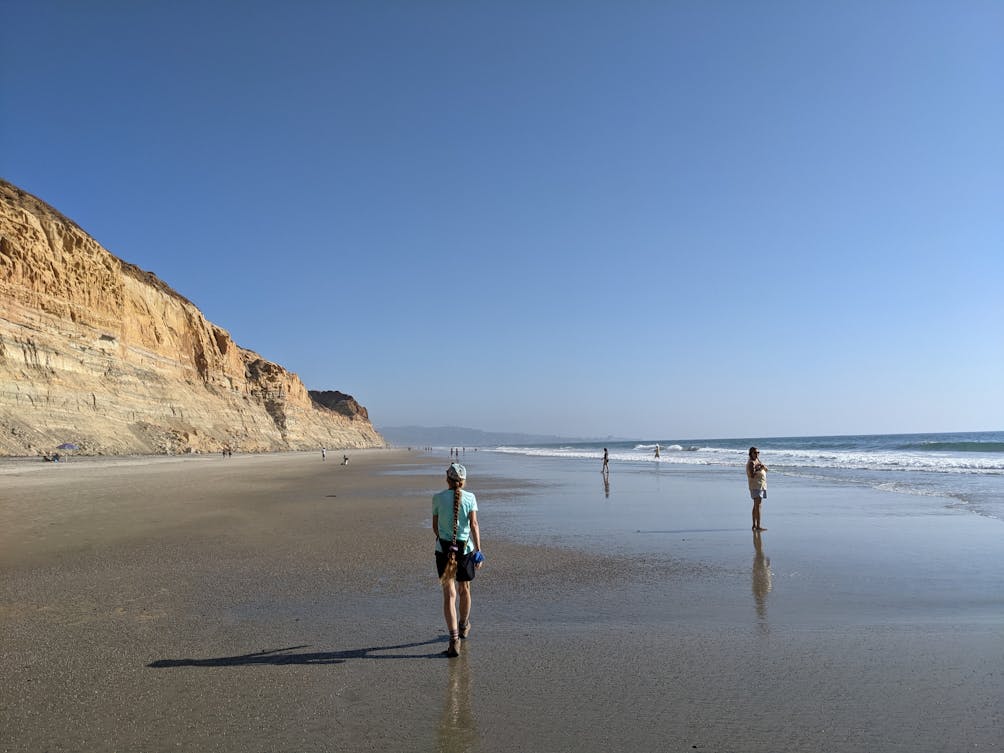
[97, 352]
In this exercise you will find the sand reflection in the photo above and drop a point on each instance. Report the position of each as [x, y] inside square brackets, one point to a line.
[458, 731]
[762, 581]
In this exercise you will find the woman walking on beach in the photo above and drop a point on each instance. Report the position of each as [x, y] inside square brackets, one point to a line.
[756, 474]
[458, 552]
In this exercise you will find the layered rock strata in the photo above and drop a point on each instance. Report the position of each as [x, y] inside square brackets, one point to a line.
[100, 353]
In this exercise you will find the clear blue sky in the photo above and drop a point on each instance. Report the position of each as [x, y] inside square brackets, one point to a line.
[642, 219]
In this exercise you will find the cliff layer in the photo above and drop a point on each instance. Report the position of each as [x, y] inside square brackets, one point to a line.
[100, 353]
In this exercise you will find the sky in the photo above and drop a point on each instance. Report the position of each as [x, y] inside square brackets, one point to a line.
[657, 220]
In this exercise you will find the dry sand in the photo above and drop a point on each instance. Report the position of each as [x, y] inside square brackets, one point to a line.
[282, 603]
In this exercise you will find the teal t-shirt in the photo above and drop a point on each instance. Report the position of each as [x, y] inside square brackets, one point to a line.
[442, 505]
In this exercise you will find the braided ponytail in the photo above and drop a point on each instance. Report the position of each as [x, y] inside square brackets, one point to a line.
[458, 494]
[450, 572]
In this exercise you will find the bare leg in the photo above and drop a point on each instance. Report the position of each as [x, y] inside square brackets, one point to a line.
[756, 515]
[465, 601]
[450, 606]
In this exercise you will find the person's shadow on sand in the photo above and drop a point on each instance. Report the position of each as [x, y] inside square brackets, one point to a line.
[281, 656]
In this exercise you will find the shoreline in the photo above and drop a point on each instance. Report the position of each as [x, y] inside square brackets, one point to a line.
[292, 604]
[15, 464]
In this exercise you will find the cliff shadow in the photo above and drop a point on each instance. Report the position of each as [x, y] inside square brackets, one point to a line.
[283, 656]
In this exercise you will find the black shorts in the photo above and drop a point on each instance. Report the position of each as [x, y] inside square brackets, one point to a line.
[465, 563]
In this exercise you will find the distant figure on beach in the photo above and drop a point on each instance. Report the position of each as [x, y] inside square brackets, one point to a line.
[324, 454]
[345, 459]
[756, 475]
[458, 552]
[657, 452]
[606, 461]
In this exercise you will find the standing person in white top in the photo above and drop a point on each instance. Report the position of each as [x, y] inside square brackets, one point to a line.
[756, 475]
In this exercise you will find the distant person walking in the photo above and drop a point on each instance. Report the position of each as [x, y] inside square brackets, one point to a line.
[606, 461]
[324, 454]
[756, 475]
[657, 452]
[458, 552]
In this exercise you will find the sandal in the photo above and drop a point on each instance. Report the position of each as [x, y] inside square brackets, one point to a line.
[465, 629]
[454, 650]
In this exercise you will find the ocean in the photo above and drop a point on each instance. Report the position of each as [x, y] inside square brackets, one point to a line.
[966, 470]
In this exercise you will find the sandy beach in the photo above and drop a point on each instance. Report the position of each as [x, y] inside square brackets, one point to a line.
[282, 603]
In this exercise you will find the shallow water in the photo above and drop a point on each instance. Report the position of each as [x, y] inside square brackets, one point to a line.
[966, 467]
[833, 552]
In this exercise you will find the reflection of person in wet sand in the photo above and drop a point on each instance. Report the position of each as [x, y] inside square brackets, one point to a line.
[762, 582]
[606, 485]
[457, 731]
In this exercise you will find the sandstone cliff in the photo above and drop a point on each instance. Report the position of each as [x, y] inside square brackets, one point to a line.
[97, 352]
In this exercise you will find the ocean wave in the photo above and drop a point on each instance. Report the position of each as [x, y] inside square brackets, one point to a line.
[965, 468]
[956, 446]
[888, 461]
[790, 459]
[664, 448]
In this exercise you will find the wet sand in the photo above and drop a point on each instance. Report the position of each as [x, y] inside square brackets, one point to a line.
[282, 603]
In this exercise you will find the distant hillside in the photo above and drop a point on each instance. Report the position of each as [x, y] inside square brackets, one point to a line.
[458, 436]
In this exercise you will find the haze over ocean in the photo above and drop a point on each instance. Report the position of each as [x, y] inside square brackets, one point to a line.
[584, 219]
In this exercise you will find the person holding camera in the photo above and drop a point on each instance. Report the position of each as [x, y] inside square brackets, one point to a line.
[756, 474]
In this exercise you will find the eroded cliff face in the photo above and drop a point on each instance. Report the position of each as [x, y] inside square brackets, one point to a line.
[96, 351]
